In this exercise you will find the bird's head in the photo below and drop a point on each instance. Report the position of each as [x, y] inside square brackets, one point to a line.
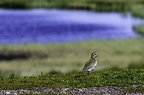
[94, 55]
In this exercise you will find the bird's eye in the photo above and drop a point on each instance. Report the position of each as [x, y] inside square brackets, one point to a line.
[94, 54]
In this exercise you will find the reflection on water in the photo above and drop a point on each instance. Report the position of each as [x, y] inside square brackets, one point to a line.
[56, 26]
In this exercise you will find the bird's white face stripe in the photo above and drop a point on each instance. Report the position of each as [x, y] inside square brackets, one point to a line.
[94, 55]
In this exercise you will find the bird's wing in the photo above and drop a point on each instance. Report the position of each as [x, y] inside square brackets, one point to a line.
[88, 64]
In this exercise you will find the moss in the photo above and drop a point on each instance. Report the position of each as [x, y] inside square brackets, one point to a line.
[121, 78]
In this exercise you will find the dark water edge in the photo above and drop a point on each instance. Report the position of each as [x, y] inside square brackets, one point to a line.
[60, 26]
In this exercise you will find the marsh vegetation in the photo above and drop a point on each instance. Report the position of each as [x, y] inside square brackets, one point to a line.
[114, 54]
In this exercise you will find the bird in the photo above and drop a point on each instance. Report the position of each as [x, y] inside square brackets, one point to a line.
[91, 64]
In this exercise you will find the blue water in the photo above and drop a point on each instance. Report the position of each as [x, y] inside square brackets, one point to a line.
[58, 26]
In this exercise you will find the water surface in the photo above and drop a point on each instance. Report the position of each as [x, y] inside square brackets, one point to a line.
[58, 26]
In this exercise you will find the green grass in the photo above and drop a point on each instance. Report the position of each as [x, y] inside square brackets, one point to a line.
[137, 10]
[97, 5]
[140, 29]
[120, 78]
[68, 57]
[135, 7]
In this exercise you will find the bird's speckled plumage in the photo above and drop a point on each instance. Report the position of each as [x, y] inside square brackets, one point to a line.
[91, 64]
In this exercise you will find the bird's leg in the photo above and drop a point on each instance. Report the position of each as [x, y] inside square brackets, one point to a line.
[80, 72]
[89, 72]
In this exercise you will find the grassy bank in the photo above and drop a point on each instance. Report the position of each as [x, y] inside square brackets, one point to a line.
[140, 29]
[31, 59]
[135, 6]
[137, 10]
[121, 78]
[107, 5]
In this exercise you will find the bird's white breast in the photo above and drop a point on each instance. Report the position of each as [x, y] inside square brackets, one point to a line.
[90, 69]
[95, 64]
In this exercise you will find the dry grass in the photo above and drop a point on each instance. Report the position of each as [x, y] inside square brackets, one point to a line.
[72, 56]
